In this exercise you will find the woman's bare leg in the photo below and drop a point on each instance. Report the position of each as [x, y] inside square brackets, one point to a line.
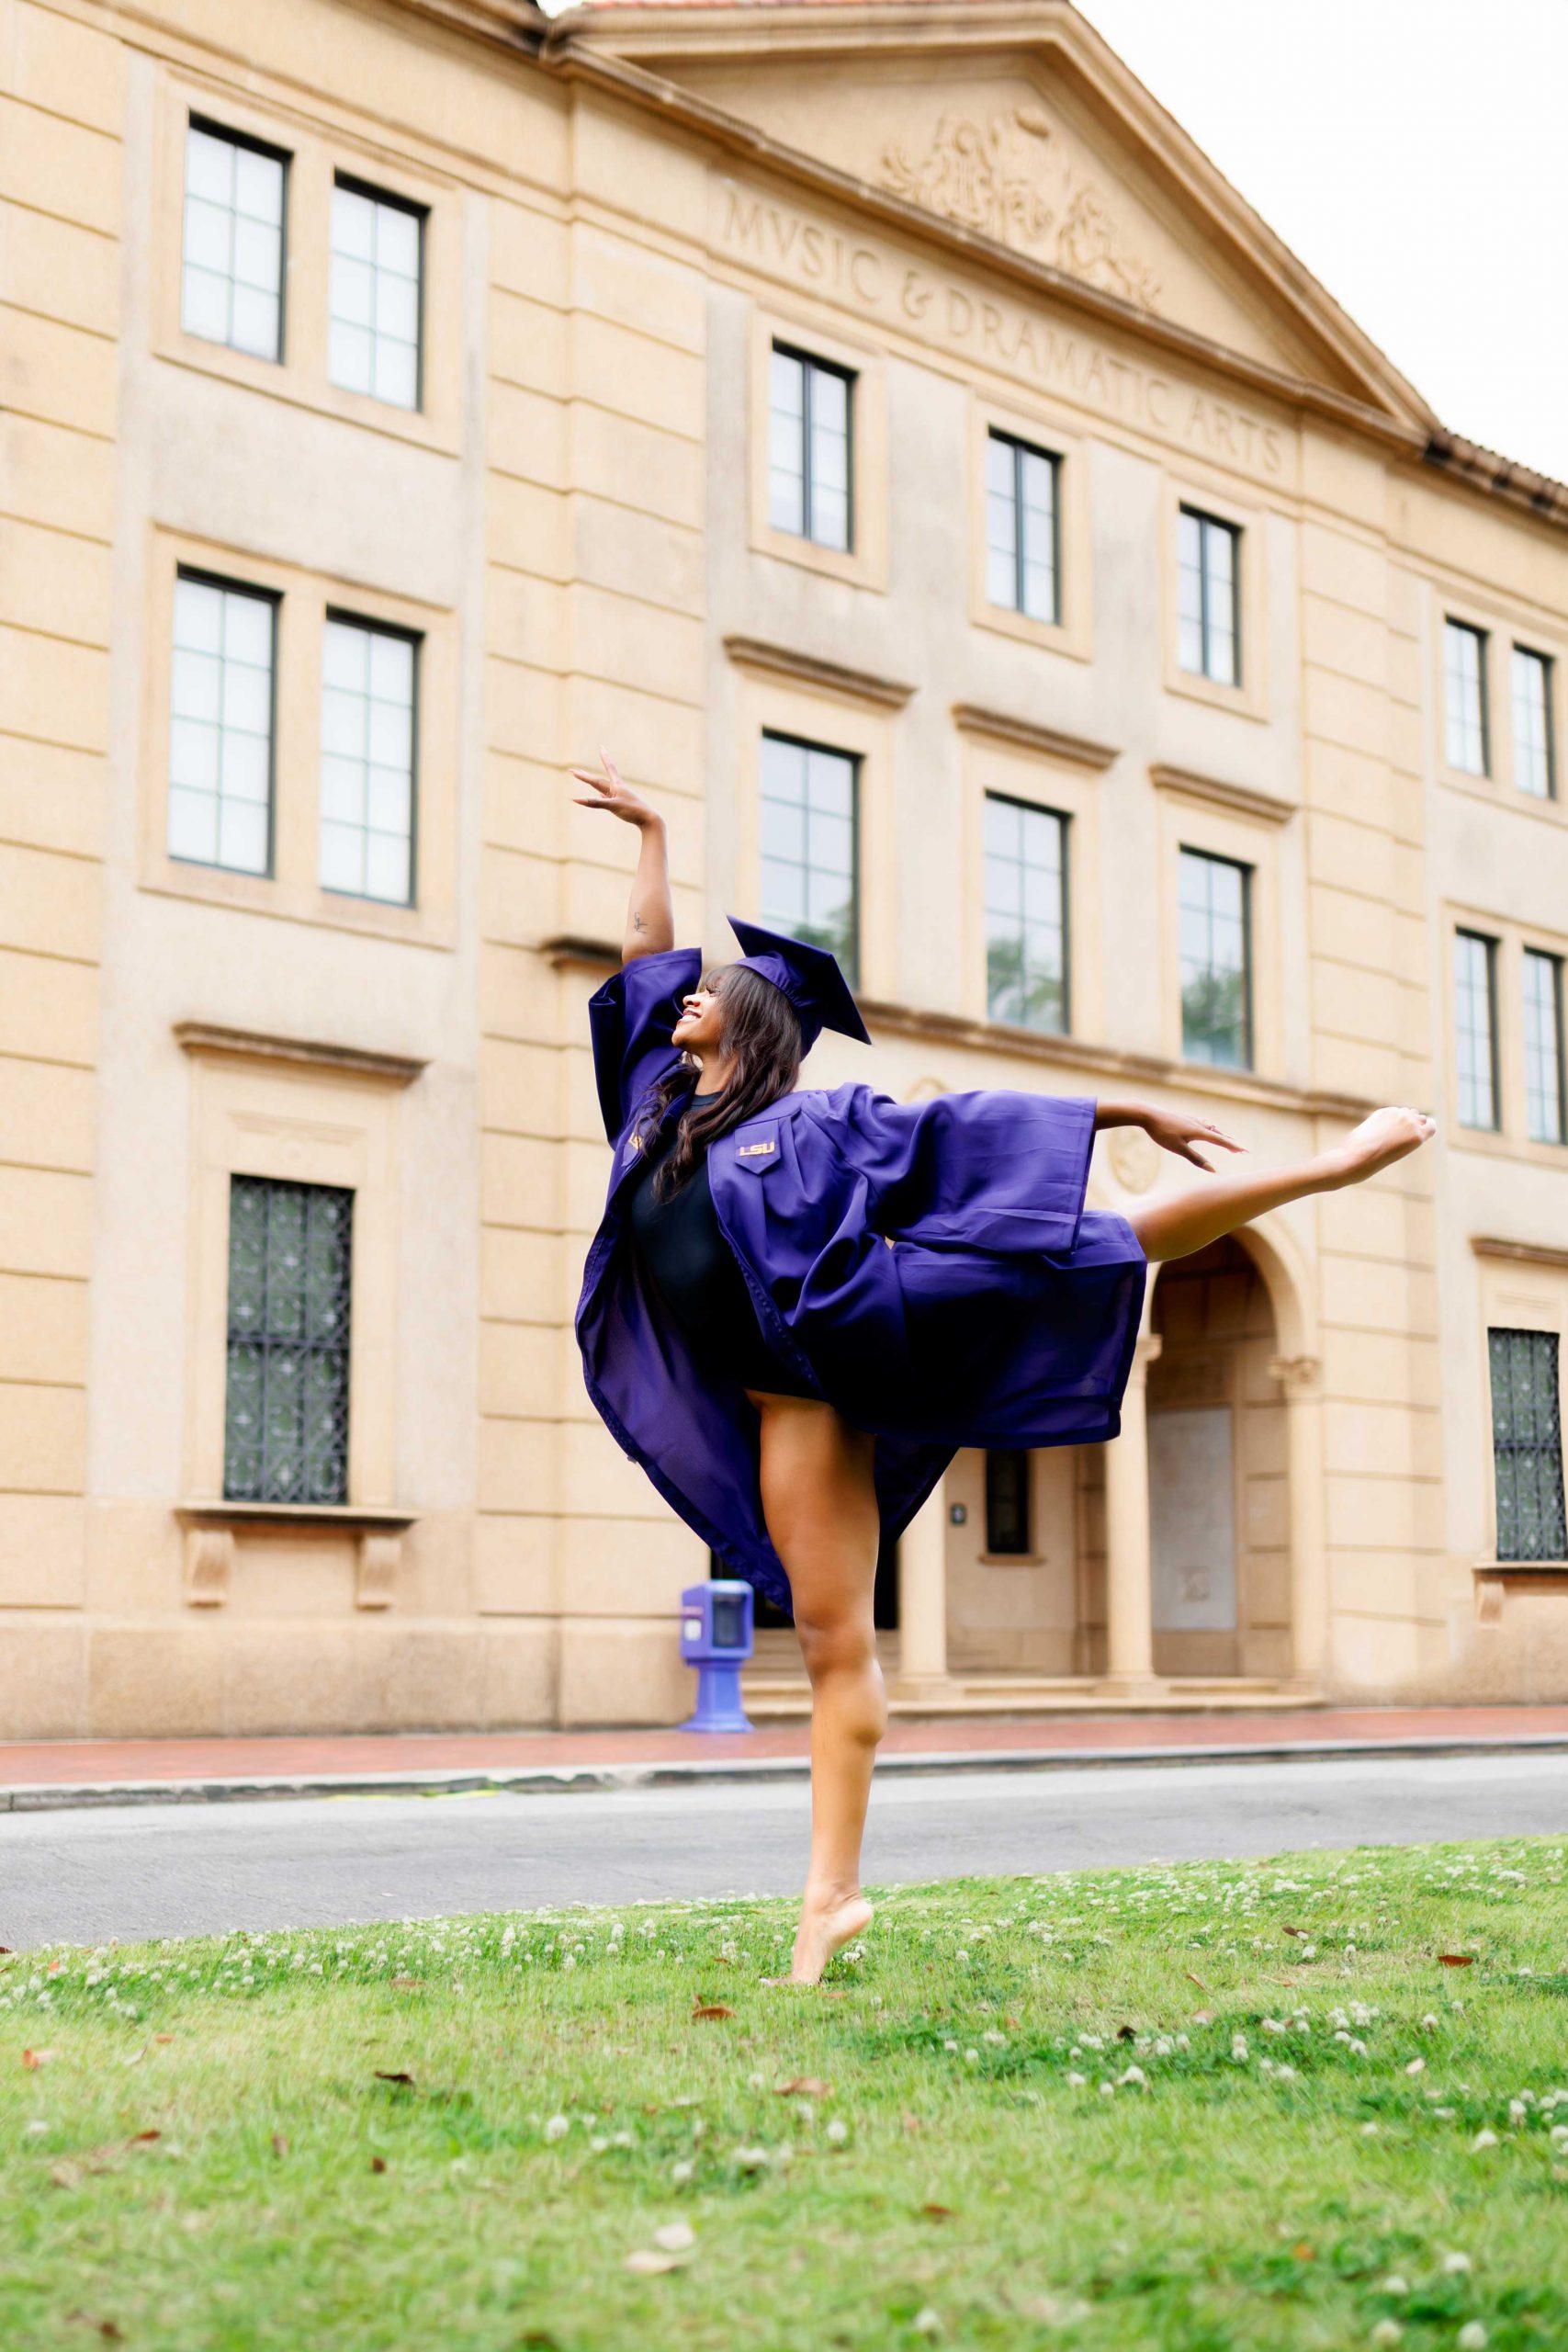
[820, 1505]
[1175, 1226]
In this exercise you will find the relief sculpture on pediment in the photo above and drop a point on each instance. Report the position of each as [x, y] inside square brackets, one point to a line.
[993, 176]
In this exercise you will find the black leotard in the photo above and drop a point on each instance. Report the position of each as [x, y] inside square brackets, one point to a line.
[692, 1268]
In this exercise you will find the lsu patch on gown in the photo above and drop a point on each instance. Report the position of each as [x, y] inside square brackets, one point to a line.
[1003, 1315]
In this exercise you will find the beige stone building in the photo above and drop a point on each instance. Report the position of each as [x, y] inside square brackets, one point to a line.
[883, 429]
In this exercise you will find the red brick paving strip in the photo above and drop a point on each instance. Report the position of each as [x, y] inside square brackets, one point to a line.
[100, 1762]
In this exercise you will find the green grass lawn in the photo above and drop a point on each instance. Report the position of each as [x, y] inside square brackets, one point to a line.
[1214, 2106]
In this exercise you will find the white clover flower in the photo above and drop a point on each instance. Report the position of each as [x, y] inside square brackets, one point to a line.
[1456, 2263]
[1107, 2090]
[1416, 2066]
[750, 2159]
[837, 2131]
[1394, 2284]
[1482, 2140]
[1517, 2111]
[680, 2172]
[1472, 2337]
[950, 2045]
[675, 2237]
[1387, 2331]
[927, 2322]
[1077, 2081]
[557, 2128]
[1134, 2075]
[598, 2144]
[1239, 2048]
[971, 2057]
[1429, 2022]
[997, 2041]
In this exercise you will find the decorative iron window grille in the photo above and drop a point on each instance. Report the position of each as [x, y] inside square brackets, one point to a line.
[1527, 1446]
[286, 1418]
[1006, 1503]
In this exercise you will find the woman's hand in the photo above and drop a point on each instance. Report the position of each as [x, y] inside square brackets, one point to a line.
[1174, 1132]
[612, 793]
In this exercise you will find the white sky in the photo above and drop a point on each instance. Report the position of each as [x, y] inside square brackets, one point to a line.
[1413, 154]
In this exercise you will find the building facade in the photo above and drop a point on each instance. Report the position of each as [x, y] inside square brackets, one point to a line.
[884, 430]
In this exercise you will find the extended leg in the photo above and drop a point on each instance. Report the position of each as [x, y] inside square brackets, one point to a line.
[820, 1505]
[1175, 1226]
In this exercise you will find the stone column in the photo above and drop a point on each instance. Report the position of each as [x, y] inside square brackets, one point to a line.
[1129, 1587]
[922, 1592]
[1301, 1382]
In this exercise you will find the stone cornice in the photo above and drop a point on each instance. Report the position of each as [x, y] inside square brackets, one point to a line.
[973, 719]
[255, 1045]
[813, 670]
[1238, 797]
[1530, 1253]
[517, 24]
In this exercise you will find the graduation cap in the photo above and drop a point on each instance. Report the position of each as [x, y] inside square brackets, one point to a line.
[808, 976]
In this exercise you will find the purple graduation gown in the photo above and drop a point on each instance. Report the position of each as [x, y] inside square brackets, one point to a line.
[1003, 1314]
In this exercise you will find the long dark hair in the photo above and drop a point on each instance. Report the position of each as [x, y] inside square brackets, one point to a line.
[762, 1033]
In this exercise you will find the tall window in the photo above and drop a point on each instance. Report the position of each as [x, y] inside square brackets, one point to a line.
[1026, 914]
[808, 807]
[1006, 1503]
[1023, 554]
[367, 760]
[1216, 950]
[232, 290]
[1475, 1028]
[1207, 603]
[1546, 1115]
[1464, 699]
[1527, 1446]
[286, 1415]
[220, 726]
[1534, 750]
[373, 336]
[808, 447]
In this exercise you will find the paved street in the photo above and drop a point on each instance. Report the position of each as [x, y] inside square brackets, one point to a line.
[83, 1876]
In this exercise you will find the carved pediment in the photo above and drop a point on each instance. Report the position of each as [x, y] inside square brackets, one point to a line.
[1008, 174]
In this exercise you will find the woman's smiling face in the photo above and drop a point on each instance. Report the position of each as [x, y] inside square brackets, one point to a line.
[700, 1028]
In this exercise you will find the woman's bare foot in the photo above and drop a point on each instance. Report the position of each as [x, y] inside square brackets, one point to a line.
[825, 1928]
[1387, 1136]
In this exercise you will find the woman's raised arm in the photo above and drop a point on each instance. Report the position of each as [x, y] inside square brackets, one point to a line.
[650, 917]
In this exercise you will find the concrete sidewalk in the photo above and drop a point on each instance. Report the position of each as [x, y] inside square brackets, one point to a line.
[40, 1774]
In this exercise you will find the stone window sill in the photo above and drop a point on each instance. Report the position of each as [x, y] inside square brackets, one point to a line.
[211, 1530]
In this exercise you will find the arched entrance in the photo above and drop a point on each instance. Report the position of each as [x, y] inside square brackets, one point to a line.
[1219, 1470]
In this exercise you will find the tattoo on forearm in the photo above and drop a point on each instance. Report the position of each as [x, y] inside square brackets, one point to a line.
[637, 923]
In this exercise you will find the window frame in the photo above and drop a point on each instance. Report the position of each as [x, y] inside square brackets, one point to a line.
[811, 365]
[852, 963]
[1456, 625]
[863, 564]
[355, 184]
[203, 577]
[352, 617]
[1063, 820]
[1492, 944]
[1208, 524]
[1018, 449]
[292, 890]
[1194, 493]
[1020, 1464]
[1554, 961]
[1249, 874]
[266, 1341]
[255, 144]
[1550, 1339]
[1547, 665]
[316, 153]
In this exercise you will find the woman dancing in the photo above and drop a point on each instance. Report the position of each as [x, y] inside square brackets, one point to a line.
[799, 1305]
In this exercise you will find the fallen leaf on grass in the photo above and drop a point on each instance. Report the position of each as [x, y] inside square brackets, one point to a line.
[378, 2163]
[106, 2327]
[34, 2059]
[162, 2037]
[144, 2139]
[1304, 2253]
[394, 2075]
[911, 2124]
[712, 2009]
[1202, 2017]
[280, 2144]
[938, 2213]
[1295, 1931]
[405, 1983]
[1194, 1979]
[1456, 1960]
[66, 2174]
[675, 2237]
[647, 2262]
[804, 2086]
